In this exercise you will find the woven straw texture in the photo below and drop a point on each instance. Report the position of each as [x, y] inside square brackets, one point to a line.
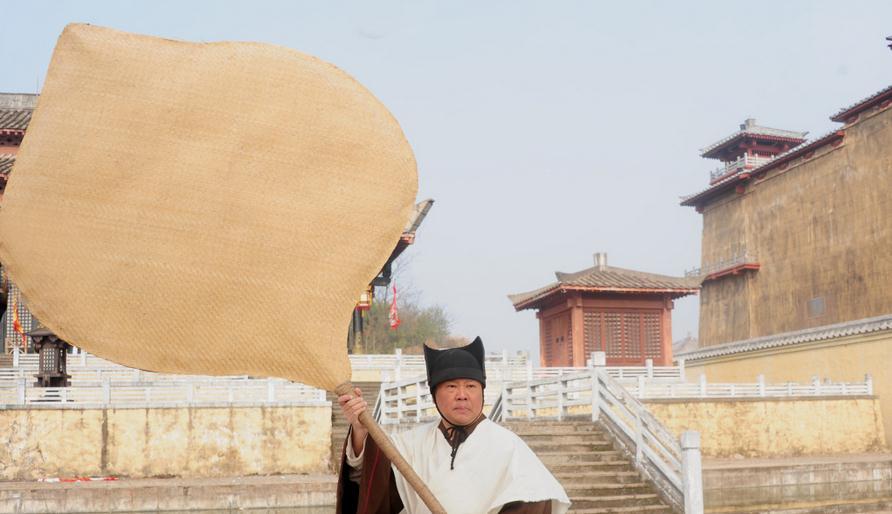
[204, 208]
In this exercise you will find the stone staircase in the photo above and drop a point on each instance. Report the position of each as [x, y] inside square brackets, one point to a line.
[339, 425]
[598, 479]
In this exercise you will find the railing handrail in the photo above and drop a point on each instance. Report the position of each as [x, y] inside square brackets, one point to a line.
[743, 162]
[743, 257]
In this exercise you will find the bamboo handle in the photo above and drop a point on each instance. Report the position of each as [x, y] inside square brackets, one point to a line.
[390, 451]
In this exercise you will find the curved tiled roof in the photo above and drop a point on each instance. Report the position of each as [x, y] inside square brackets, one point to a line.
[6, 162]
[862, 104]
[847, 328]
[613, 277]
[724, 183]
[609, 279]
[15, 119]
[756, 130]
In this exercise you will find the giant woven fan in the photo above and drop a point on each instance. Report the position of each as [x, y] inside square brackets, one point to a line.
[204, 208]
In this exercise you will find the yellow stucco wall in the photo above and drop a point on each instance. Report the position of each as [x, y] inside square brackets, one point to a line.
[776, 427]
[845, 359]
[820, 230]
[158, 442]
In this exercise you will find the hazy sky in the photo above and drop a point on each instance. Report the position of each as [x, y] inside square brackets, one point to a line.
[545, 131]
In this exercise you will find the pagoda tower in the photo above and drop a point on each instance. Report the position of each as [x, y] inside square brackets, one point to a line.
[748, 148]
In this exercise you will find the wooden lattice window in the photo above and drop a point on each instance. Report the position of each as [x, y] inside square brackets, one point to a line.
[627, 336]
[613, 332]
[549, 353]
[632, 335]
[569, 341]
[592, 331]
[653, 335]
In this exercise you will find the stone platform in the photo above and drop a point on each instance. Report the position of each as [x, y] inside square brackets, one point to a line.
[827, 484]
[279, 493]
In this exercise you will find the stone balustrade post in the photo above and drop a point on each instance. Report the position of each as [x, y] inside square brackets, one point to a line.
[691, 472]
[681, 370]
[20, 391]
[649, 366]
[868, 381]
[598, 361]
[106, 391]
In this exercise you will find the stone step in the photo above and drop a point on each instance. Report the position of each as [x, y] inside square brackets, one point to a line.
[561, 457]
[568, 437]
[581, 467]
[581, 476]
[521, 428]
[560, 446]
[597, 478]
[620, 500]
[595, 489]
[650, 509]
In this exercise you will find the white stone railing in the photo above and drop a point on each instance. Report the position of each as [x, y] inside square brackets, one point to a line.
[744, 162]
[713, 267]
[674, 469]
[409, 400]
[760, 389]
[179, 393]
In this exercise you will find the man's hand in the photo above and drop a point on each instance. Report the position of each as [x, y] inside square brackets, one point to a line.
[352, 407]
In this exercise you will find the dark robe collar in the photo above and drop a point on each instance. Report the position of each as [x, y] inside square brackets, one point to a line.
[457, 434]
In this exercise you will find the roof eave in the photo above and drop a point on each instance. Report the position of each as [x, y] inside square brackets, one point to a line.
[699, 199]
[844, 115]
[674, 292]
[712, 151]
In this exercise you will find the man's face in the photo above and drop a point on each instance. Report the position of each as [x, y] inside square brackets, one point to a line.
[460, 400]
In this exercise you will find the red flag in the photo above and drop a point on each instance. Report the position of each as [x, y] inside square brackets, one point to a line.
[16, 324]
[394, 314]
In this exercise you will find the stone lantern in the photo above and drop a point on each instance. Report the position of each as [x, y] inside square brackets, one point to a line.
[52, 361]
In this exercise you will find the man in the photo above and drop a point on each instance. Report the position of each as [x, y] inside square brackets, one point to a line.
[472, 465]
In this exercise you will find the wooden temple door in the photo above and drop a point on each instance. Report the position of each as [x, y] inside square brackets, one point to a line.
[558, 341]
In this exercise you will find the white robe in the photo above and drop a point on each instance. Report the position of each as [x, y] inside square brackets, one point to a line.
[492, 467]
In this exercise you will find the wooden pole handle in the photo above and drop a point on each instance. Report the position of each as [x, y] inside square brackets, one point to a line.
[390, 451]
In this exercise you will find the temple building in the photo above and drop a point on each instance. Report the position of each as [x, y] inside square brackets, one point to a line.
[796, 235]
[15, 114]
[356, 334]
[796, 261]
[626, 314]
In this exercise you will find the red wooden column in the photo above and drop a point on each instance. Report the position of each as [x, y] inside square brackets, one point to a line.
[577, 326]
[667, 332]
[542, 341]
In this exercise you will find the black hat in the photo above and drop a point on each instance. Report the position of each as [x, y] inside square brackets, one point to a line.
[464, 362]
